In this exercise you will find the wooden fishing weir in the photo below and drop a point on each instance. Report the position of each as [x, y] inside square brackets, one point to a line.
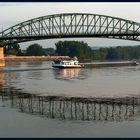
[73, 108]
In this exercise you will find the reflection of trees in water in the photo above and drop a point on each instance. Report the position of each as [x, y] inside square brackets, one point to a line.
[69, 73]
[74, 108]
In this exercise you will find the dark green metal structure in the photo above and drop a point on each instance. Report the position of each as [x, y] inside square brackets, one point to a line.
[71, 25]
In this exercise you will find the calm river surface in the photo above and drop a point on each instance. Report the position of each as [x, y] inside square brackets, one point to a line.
[40, 79]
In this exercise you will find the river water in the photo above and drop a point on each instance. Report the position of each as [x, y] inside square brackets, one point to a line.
[39, 79]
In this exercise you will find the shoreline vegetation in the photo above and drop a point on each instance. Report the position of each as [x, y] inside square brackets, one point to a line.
[80, 49]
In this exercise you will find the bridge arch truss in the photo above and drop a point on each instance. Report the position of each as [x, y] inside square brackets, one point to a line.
[71, 25]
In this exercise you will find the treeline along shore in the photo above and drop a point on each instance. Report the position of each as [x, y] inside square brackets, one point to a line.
[79, 49]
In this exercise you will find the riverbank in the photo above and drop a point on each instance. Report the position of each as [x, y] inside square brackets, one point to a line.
[31, 58]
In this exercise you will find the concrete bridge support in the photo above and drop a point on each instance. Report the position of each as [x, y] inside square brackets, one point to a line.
[2, 61]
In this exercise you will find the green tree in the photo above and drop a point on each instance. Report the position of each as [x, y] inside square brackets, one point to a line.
[35, 50]
[12, 49]
[112, 54]
[50, 51]
[74, 48]
[103, 53]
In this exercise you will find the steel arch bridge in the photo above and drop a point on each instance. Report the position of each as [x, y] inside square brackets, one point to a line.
[71, 25]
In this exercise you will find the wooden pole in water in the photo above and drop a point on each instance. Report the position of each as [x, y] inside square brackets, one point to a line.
[100, 110]
[39, 107]
[87, 111]
[42, 106]
[71, 110]
[75, 109]
[31, 103]
[52, 115]
[133, 105]
[113, 110]
[106, 112]
[63, 109]
[60, 108]
[119, 111]
[94, 111]
[50, 104]
[82, 110]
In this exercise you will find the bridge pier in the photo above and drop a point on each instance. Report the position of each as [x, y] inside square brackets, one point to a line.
[2, 61]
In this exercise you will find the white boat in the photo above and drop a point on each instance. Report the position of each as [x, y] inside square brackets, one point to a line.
[66, 63]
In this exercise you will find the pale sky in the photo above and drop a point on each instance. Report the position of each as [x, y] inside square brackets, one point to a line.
[14, 13]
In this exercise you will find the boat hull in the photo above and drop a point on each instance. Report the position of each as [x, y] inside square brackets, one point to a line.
[110, 64]
[61, 67]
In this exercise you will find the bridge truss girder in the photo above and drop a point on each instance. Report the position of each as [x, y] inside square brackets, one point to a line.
[71, 25]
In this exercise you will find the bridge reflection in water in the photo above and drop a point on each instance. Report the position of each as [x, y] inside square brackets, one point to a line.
[73, 108]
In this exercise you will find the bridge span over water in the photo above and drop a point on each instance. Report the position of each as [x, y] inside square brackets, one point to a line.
[71, 25]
